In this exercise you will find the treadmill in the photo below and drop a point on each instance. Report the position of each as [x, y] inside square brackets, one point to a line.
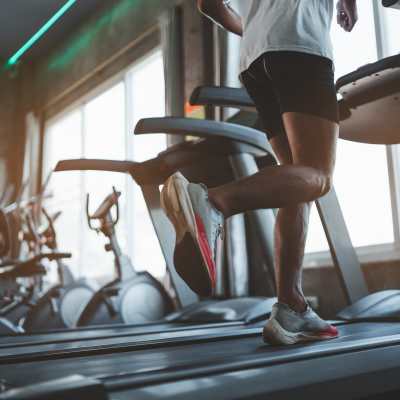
[232, 150]
[363, 363]
[235, 148]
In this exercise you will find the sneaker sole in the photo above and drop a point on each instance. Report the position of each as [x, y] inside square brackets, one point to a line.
[192, 249]
[275, 334]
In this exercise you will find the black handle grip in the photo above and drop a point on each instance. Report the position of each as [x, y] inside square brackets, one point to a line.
[391, 3]
[56, 256]
[5, 243]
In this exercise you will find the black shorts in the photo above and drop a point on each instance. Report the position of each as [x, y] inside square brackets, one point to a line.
[287, 81]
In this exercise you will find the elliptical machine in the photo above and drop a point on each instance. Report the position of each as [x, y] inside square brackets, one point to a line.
[21, 267]
[8, 287]
[133, 297]
[61, 305]
[21, 281]
[24, 297]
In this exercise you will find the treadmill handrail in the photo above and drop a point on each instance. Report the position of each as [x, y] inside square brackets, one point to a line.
[141, 172]
[85, 164]
[391, 3]
[221, 96]
[204, 129]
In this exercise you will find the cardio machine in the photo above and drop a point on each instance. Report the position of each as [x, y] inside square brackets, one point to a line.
[231, 148]
[61, 305]
[133, 297]
[7, 286]
[19, 281]
[25, 296]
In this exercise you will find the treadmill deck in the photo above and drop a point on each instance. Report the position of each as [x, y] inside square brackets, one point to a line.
[197, 354]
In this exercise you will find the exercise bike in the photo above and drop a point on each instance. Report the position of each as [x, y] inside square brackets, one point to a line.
[133, 297]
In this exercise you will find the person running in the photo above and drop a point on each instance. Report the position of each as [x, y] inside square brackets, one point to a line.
[286, 58]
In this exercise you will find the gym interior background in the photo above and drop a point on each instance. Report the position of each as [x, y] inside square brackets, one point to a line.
[79, 89]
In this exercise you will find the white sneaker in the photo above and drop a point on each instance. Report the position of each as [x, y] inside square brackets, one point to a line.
[199, 232]
[286, 326]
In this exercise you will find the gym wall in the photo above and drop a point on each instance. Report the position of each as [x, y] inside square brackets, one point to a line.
[111, 39]
[7, 126]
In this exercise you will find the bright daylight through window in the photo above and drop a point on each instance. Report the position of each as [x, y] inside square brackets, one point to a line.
[102, 127]
[361, 179]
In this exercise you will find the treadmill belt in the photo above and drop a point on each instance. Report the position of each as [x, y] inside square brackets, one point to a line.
[367, 375]
[243, 352]
[120, 331]
[149, 341]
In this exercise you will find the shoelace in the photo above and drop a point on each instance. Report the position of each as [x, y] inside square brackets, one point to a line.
[220, 233]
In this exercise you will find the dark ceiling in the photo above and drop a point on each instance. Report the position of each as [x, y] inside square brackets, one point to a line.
[20, 19]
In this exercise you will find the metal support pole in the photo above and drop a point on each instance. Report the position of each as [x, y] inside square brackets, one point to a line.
[343, 254]
[237, 256]
[245, 165]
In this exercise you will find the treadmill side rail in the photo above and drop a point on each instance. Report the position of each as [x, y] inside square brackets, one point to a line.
[75, 387]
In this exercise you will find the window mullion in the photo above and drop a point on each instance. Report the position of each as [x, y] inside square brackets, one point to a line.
[82, 183]
[129, 153]
[379, 30]
[394, 180]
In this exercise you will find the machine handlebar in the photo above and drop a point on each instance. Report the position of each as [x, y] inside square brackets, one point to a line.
[31, 266]
[103, 212]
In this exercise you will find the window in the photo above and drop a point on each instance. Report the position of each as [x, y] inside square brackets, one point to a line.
[64, 140]
[102, 127]
[391, 31]
[146, 78]
[361, 178]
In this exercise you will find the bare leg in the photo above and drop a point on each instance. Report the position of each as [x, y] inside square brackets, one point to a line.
[307, 157]
[312, 141]
[290, 237]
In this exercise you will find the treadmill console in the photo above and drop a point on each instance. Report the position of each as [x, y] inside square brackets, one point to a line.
[391, 3]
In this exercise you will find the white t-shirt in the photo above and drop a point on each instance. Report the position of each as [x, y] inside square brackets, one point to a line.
[285, 25]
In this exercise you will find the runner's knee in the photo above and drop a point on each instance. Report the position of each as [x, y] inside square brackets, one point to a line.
[323, 183]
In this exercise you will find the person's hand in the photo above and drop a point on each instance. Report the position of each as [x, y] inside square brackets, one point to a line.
[347, 14]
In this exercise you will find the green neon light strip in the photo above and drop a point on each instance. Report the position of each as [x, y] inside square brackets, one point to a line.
[14, 59]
